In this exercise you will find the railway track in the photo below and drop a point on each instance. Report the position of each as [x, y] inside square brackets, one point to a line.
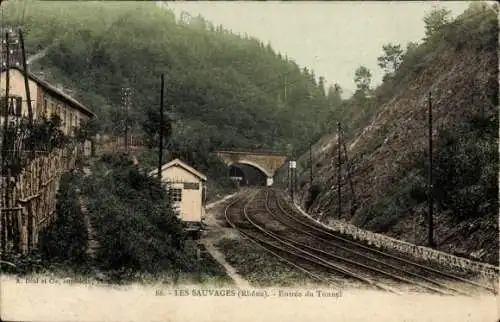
[386, 274]
[325, 256]
[307, 261]
[422, 274]
[269, 247]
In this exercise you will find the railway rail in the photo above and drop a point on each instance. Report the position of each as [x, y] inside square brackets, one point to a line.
[270, 248]
[427, 273]
[306, 261]
[327, 257]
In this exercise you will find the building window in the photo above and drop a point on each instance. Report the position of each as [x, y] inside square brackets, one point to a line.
[14, 105]
[175, 195]
[45, 106]
[191, 185]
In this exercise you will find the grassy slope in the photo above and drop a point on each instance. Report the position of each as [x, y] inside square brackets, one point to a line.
[460, 68]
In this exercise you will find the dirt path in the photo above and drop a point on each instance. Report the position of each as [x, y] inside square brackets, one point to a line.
[231, 271]
[215, 232]
[92, 244]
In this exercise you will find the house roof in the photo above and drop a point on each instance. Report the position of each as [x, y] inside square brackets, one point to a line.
[177, 162]
[56, 92]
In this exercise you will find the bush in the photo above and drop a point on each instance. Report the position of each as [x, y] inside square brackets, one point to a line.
[65, 240]
[136, 228]
[465, 169]
[314, 191]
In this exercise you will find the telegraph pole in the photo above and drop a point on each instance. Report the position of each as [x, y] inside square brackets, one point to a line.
[339, 194]
[311, 163]
[295, 176]
[126, 97]
[6, 110]
[160, 147]
[349, 177]
[26, 86]
[126, 120]
[289, 169]
[292, 165]
[6, 121]
[429, 183]
[285, 90]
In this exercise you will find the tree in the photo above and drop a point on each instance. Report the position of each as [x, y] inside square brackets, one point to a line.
[435, 19]
[362, 78]
[338, 89]
[321, 86]
[391, 59]
[411, 47]
[87, 130]
[334, 96]
[151, 127]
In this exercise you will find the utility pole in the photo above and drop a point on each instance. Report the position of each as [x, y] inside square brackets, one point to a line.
[160, 147]
[26, 86]
[349, 177]
[31, 147]
[292, 165]
[126, 120]
[1, 152]
[311, 163]
[288, 175]
[6, 121]
[285, 89]
[126, 98]
[295, 176]
[6, 107]
[339, 195]
[429, 183]
[14, 50]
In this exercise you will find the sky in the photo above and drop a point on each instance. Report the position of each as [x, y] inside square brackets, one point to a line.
[331, 38]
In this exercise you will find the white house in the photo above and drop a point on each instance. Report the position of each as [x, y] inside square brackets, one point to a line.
[187, 190]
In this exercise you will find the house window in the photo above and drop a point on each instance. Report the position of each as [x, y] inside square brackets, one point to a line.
[191, 185]
[175, 195]
[45, 107]
[14, 105]
[57, 108]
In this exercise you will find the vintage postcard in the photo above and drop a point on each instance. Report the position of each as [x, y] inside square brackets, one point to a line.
[249, 161]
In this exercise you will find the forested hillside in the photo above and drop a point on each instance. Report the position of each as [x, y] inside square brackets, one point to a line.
[455, 69]
[222, 90]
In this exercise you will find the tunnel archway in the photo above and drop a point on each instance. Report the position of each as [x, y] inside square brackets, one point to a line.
[247, 174]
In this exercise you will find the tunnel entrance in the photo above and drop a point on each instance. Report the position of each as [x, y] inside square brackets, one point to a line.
[247, 175]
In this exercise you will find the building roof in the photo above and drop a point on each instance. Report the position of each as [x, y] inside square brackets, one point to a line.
[56, 92]
[177, 162]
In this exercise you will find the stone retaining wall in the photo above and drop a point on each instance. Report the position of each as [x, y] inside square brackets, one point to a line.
[425, 253]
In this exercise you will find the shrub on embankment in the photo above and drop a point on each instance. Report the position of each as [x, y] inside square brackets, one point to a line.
[135, 227]
[65, 240]
[62, 244]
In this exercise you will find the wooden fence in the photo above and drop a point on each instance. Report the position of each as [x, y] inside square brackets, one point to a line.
[28, 202]
[115, 144]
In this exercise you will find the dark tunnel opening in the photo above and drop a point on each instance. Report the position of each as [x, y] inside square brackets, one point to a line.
[247, 175]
